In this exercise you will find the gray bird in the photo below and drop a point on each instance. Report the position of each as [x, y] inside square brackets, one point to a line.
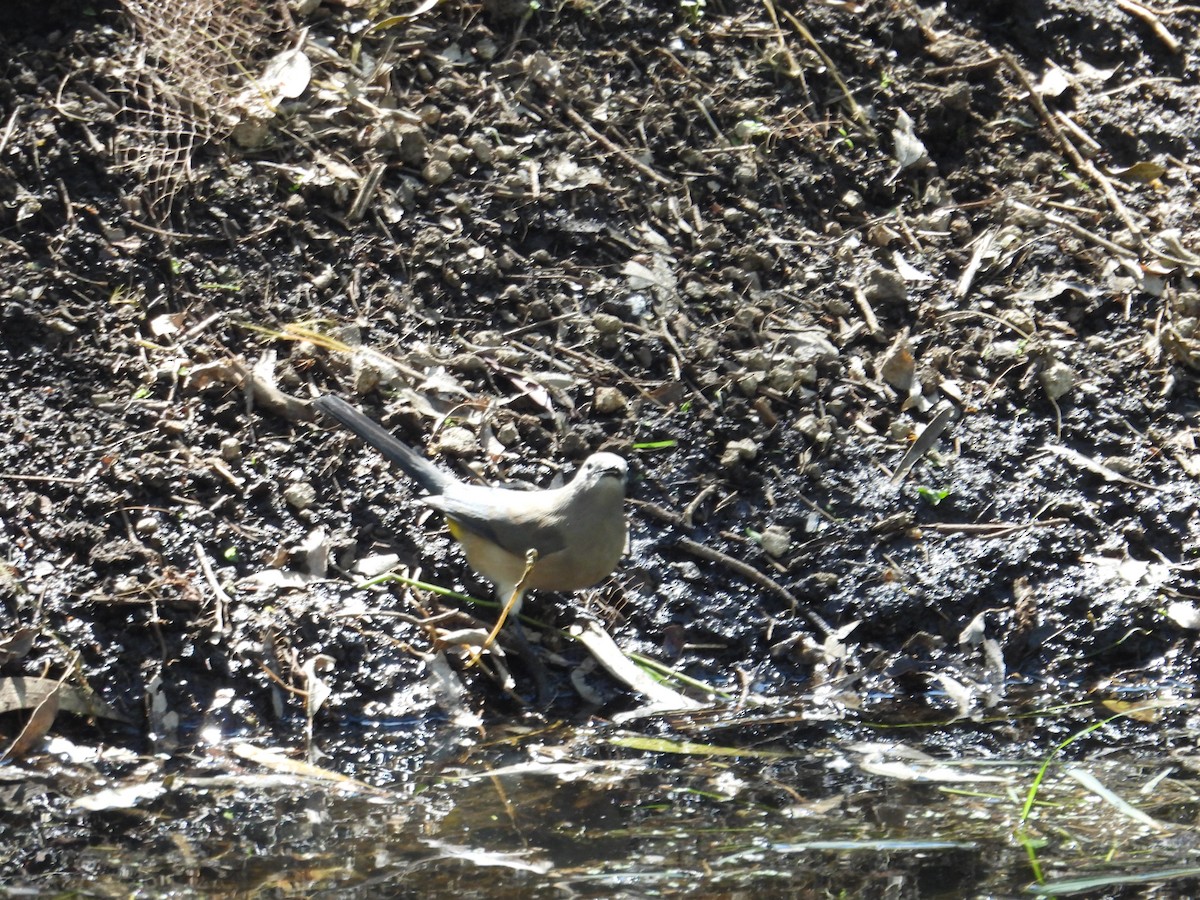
[578, 530]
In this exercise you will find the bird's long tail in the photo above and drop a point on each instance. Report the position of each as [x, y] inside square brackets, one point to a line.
[421, 470]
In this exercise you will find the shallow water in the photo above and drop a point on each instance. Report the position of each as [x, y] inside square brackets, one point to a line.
[587, 811]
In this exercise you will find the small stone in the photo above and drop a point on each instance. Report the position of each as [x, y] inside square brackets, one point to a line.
[606, 324]
[456, 441]
[808, 425]
[736, 451]
[231, 449]
[481, 147]
[882, 236]
[457, 154]
[488, 339]
[776, 540]
[609, 400]
[507, 434]
[411, 145]
[538, 310]
[885, 284]
[754, 359]
[1027, 217]
[1019, 319]
[897, 366]
[749, 383]
[438, 171]
[146, 526]
[900, 429]
[300, 495]
[958, 96]
[818, 429]
[812, 348]
[63, 327]
[1057, 379]
[782, 376]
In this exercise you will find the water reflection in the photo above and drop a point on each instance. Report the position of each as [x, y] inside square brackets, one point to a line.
[581, 813]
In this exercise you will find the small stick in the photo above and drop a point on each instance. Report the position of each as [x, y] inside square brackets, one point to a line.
[992, 529]
[368, 185]
[56, 479]
[864, 307]
[1150, 18]
[1083, 165]
[608, 145]
[752, 574]
[221, 599]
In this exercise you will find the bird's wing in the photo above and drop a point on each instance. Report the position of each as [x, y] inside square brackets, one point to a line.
[515, 520]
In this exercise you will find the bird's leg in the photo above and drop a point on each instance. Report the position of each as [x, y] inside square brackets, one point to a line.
[532, 661]
[512, 603]
[524, 648]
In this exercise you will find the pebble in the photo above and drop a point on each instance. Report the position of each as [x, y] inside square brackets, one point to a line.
[456, 441]
[300, 495]
[1057, 379]
[736, 451]
[776, 540]
[609, 400]
[438, 171]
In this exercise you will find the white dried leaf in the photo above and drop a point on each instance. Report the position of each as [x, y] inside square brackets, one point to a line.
[1054, 82]
[1184, 614]
[907, 270]
[121, 798]
[286, 75]
[910, 151]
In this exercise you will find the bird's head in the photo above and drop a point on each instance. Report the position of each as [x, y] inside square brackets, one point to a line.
[602, 469]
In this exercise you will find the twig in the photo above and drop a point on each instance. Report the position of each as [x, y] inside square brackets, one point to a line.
[1090, 235]
[992, 529]
[793, 67]
[725, 143]
[864, 307]
[367, 187]
[8, 130]
[1150, 18]
[1085, 166]
[689, 512]
[1080, 135]
[624, 155]
[856, 111]
[221, 598]
[56, 479]
[827, 516]
[291, 689]
[1075, 458]
[596, 363]
[982, 244]
[751, 574]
